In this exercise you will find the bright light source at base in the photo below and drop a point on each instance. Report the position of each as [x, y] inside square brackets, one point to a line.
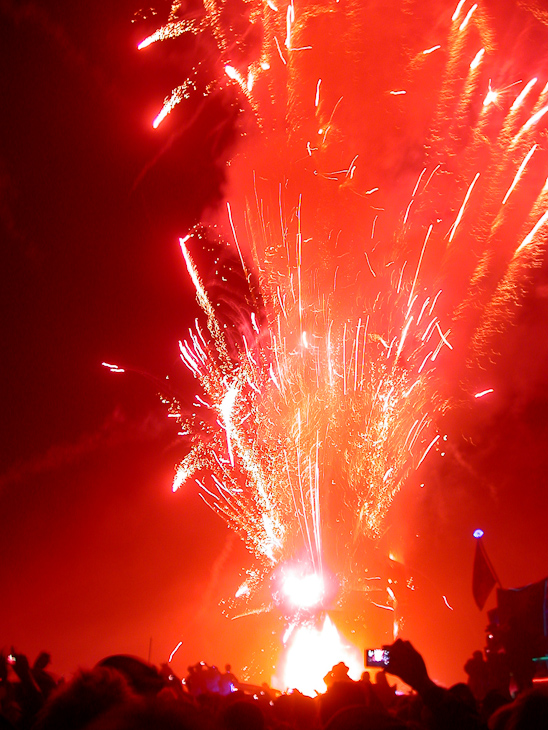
[304, 591]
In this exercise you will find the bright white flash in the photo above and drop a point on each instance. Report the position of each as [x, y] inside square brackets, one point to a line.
[304, 591]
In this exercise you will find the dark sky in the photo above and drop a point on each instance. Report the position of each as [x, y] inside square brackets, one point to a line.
[97, 555]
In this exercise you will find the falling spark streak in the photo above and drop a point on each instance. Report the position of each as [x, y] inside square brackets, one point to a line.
[423, 457]
[521, 96]
[519, 173]
[447, 603]
[534, 119]
[369, 264]
[443, 337]
[317, 99]
[463, 206]
[411, 293]
[113, 368]
[179, 645]
[483, 392]
[418, 182]
[468, 17]
[477, 59]
[403, 336]
[531, 235]
[457, 10]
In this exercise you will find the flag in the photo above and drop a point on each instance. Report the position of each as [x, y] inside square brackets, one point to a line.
[484, 578]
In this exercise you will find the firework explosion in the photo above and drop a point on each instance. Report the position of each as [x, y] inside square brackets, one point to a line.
[375, 282]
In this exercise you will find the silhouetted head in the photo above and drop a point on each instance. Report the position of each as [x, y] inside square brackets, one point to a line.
[42, 660]
[243, 715]
[339, 671]
[78, 702]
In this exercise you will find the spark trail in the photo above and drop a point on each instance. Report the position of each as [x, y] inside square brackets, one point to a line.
[375, 280]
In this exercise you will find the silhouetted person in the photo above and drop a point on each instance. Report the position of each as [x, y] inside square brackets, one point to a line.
[42, 678]
[243, 714]
[478, 675]
[228, 682]
[529, 711]
[338, 673]
[446, 711]
[84, 699]
[384, 691]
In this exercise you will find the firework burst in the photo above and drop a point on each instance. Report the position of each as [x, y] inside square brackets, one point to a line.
[308, 423]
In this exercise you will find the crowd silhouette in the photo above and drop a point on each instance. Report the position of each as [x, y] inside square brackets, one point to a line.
[126, 693]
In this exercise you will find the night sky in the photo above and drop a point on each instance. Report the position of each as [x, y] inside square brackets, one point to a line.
[97, 555]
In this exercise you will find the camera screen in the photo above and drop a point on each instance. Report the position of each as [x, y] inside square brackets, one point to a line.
[377, 657]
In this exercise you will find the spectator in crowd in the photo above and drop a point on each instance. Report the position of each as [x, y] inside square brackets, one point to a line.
[478, 675]
[126, 693]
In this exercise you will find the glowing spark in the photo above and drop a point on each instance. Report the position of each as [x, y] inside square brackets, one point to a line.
[233, 229]
[317, 99]
[447, 603]
[468, 16]
[179, 645]
[477, 60]
[380, 605]
[483, 392]
[254, 322]
[491, 97]
[407, 212]
[423, 457]
[234, 74]
[185, 470]
[369, 264]
[457, 10]
[171, 30]
[243, 590]
[463, 206]
[430, 50]
[290, 18]
[530, 236]
[202, 296]
[519, 172]
[113, 368]
[411, 293]
[534, 119]
[227, 406]
[281, 55]
[418, 182]
[521, 96]
[443, 337]
[177, 96]
[401, 92]
[403, 336]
